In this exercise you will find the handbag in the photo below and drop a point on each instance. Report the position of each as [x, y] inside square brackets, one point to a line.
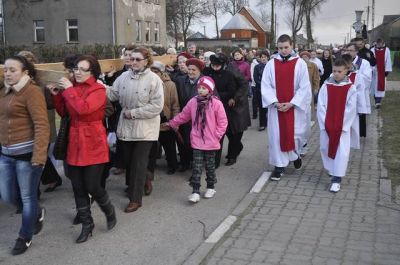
[61, 143]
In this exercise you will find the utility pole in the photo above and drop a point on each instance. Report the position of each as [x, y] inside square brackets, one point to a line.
[368, 15]
[273, 19]
[373, 13]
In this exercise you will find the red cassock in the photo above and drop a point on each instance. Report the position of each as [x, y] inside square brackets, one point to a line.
[284, 76]
[380, 65]
[337, 96]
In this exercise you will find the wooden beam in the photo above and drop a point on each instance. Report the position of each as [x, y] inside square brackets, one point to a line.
[51, 72]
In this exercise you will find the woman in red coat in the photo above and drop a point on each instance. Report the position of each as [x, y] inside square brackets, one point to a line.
[87, 152]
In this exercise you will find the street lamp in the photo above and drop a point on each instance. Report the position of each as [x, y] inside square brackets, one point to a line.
[357, 26]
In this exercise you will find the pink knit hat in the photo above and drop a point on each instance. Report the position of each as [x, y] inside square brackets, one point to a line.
[206, 82]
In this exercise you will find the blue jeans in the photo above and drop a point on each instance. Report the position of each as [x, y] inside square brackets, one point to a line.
[19, 181]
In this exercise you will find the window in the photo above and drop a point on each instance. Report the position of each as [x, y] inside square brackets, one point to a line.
[156, 32]
[233, 35]
[147, 31]
[138, 31]
[72, 30]
[38, 30]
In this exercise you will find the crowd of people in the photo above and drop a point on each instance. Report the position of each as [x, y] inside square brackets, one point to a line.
[119, 122]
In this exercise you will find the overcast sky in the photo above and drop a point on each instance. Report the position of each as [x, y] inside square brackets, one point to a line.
[331, 24]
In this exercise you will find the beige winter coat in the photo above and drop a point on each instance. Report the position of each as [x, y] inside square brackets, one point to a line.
[141, 94]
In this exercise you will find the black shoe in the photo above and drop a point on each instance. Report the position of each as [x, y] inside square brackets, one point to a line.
[77, 220]
[254, 117]
[275, 176]
[85, 233]
[111, 219]
[19, 210]
[171, 171]
[261, 129]
[21, 245]
[51, 189]
[183, 168]
[297, 163]
[230, 161]
[39, 222]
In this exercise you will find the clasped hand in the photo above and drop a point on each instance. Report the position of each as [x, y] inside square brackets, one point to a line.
[283, 107]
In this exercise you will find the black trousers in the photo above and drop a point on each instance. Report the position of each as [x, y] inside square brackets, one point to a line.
[86, 180]
[50, 174]
[117, 160]
[262, 112]
[185, 149]
[363, 125]
[167, 141]
[254, 103]
[136, 158]
[151, 165]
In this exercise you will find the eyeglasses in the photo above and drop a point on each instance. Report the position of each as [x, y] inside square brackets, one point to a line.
[80, 69]
[133, 59]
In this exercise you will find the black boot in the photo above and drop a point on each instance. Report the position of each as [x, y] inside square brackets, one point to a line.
[87, 224]
[109, 210]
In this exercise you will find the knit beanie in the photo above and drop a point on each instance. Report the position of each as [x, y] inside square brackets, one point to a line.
[207, 82]
[196, 62]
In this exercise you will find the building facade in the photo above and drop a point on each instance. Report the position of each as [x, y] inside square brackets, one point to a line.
[246, 29]
[389, 31]
[84, 22]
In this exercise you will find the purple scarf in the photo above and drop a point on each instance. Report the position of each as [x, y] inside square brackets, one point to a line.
[201, 117]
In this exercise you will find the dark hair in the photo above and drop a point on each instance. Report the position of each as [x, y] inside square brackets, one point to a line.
[379, 40]
[69, 61]
[285, 38]
[264, 52]
[347, 58]
[94, 65]
[340, 62]
[129, 48]
[146, 55]
[352, 44]
[237, 50]
[26, 64]
[357, 39]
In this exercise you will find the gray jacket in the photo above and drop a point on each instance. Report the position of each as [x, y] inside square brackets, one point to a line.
[142, 94]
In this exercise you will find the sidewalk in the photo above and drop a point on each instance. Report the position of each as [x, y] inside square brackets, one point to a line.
[298, 221]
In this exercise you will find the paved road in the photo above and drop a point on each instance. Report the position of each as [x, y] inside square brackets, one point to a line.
[297, 221]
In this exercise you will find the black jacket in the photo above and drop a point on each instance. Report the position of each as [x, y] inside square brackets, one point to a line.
[257, 74]
[362, 53]
[230, 84]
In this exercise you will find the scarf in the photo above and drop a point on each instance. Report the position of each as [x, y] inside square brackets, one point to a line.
[201, 117]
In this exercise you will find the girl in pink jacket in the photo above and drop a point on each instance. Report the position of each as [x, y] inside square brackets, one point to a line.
[209, 123]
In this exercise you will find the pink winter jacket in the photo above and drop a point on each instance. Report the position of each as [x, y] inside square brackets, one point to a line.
[215, 127]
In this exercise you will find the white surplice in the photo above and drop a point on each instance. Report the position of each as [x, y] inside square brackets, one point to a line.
[338, 166]
[364, 73]
[388, 68]
[301, 101]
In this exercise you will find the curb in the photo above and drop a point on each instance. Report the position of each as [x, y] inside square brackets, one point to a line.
[201, 252]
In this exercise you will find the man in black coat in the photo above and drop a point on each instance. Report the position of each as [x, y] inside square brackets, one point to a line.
[364, 52]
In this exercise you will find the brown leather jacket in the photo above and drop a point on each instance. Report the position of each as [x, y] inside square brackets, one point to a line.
[23, 118]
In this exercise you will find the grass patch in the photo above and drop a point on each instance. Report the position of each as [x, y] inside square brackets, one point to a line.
[390, 139]
[394, 75]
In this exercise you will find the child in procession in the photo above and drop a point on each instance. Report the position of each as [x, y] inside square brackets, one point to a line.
[336, 112]
[209, 123]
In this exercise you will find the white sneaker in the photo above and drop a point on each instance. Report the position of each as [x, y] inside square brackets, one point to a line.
[209, 193]
[194, 197]
[335, 187]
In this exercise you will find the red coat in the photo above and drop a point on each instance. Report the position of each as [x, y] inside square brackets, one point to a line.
[85, 103]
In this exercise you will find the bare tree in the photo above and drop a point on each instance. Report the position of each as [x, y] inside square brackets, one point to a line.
[189, 11]
[295, 16]
[233, 6]
[311, 7]
[214, 8]
[173, 21]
